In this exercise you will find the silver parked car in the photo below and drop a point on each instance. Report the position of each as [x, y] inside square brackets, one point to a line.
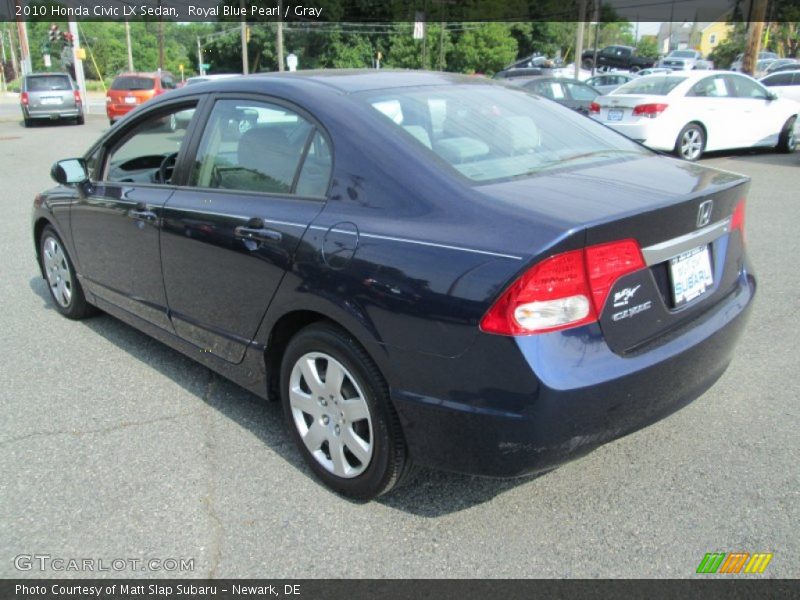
[50, 96]
[608, 82]
[685, 60]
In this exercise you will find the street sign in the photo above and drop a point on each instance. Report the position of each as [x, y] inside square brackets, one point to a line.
[206, 65]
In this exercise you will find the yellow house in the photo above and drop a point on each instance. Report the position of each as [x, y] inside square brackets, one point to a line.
[709, 36]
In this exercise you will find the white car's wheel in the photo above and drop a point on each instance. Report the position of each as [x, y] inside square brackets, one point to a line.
[691, 142]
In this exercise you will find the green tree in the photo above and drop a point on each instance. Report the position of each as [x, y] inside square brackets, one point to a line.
[725, 52]
[482, 48]
[647, 46]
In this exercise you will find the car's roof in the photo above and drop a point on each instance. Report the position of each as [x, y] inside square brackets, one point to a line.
[357, 80]
[144, 74]
[784, 72]
[53, 74]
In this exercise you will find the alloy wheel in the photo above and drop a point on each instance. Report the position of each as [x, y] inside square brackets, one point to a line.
[691, 144]
[57, 270]
[331, 414]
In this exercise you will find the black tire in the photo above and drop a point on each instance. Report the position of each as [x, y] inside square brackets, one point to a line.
[80, 120]
[587, 63]
[635, 69]
[76, 306]
[28, 122]
[691, 142]
[111, 122]
[389, 461]
[787, 140]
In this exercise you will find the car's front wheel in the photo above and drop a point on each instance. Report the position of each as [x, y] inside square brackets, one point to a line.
[787, 140]
[338, 410]
[65, 290]
[691, 142]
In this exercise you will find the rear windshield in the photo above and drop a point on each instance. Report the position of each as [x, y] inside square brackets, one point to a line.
[131, 84]
[491, 132]
[682, 54]
[656, 85]
[48, 83]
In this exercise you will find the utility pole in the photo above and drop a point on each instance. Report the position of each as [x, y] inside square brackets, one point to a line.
[78, 63]
[200, 68]
[160, 41]
[279, 39]
[245, 63]
[579, 37]
[128, 40]
[754, 30]
[25, 58]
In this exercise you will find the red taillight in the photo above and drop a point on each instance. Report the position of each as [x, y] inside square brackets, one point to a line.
[23, 97]
[594, 108]
[605, 263]
[650, 111]
[563, 291]
[77, 96]
[737, 218]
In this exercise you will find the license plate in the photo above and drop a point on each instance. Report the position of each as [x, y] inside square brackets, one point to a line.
[130, 100]
[51, 100]
[615, 114]
[691, 276]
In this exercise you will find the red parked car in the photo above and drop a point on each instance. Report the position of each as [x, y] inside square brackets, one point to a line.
[129, 90]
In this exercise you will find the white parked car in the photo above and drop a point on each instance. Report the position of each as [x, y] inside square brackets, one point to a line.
[784, 83]
[691, 112]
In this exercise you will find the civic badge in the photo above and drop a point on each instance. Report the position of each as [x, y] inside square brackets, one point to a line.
[704, 213]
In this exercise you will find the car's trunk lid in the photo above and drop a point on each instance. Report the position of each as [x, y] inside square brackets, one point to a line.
[673, 209]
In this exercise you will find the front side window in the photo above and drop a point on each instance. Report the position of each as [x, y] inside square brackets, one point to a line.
[580, 92]
[745, 88]
[149, 153]
[259, 147]
[779, 79]
[490, 132]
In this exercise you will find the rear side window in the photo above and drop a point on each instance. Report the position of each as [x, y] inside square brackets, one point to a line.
[260, 147]
[655, 85]
[48, 83]
[132, 84]
[168, 83]
[710, 87]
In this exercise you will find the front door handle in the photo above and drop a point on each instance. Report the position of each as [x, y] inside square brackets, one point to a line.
[259, 234]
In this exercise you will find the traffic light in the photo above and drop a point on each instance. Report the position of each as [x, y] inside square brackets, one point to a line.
[53, 33]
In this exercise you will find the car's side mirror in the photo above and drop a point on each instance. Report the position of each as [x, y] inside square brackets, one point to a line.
[772, 96]
[71, 171]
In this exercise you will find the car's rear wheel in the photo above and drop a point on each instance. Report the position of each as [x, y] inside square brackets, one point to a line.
[65, 289]
[587, 63]
[787, 140]
[691, 142]
[28, 123]
[80, 120]
[337, 407]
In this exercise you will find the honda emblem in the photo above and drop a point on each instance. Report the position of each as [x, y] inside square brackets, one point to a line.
[704, 213]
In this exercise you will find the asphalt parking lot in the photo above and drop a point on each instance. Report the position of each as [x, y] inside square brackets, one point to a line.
[115, 446]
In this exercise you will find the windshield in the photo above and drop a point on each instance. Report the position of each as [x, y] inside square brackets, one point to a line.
[682, 54]
[48, 83]
[132, 84]
[655, 85]
[490, 132]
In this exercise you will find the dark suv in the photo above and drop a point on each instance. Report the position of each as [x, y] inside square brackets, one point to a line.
[50, 96]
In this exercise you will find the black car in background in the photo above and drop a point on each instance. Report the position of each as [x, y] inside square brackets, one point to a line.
[617, 57]
[422, 267]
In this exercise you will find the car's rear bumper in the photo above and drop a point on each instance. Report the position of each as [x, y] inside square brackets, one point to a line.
[117, 111]
[52, 113]
[550, 398]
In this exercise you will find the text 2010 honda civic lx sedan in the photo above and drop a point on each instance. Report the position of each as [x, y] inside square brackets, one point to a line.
[422, 267]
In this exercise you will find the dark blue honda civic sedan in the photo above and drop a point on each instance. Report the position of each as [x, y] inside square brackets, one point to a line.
[423, 268]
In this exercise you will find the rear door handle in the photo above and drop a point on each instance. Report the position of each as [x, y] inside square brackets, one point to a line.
[258, 234]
